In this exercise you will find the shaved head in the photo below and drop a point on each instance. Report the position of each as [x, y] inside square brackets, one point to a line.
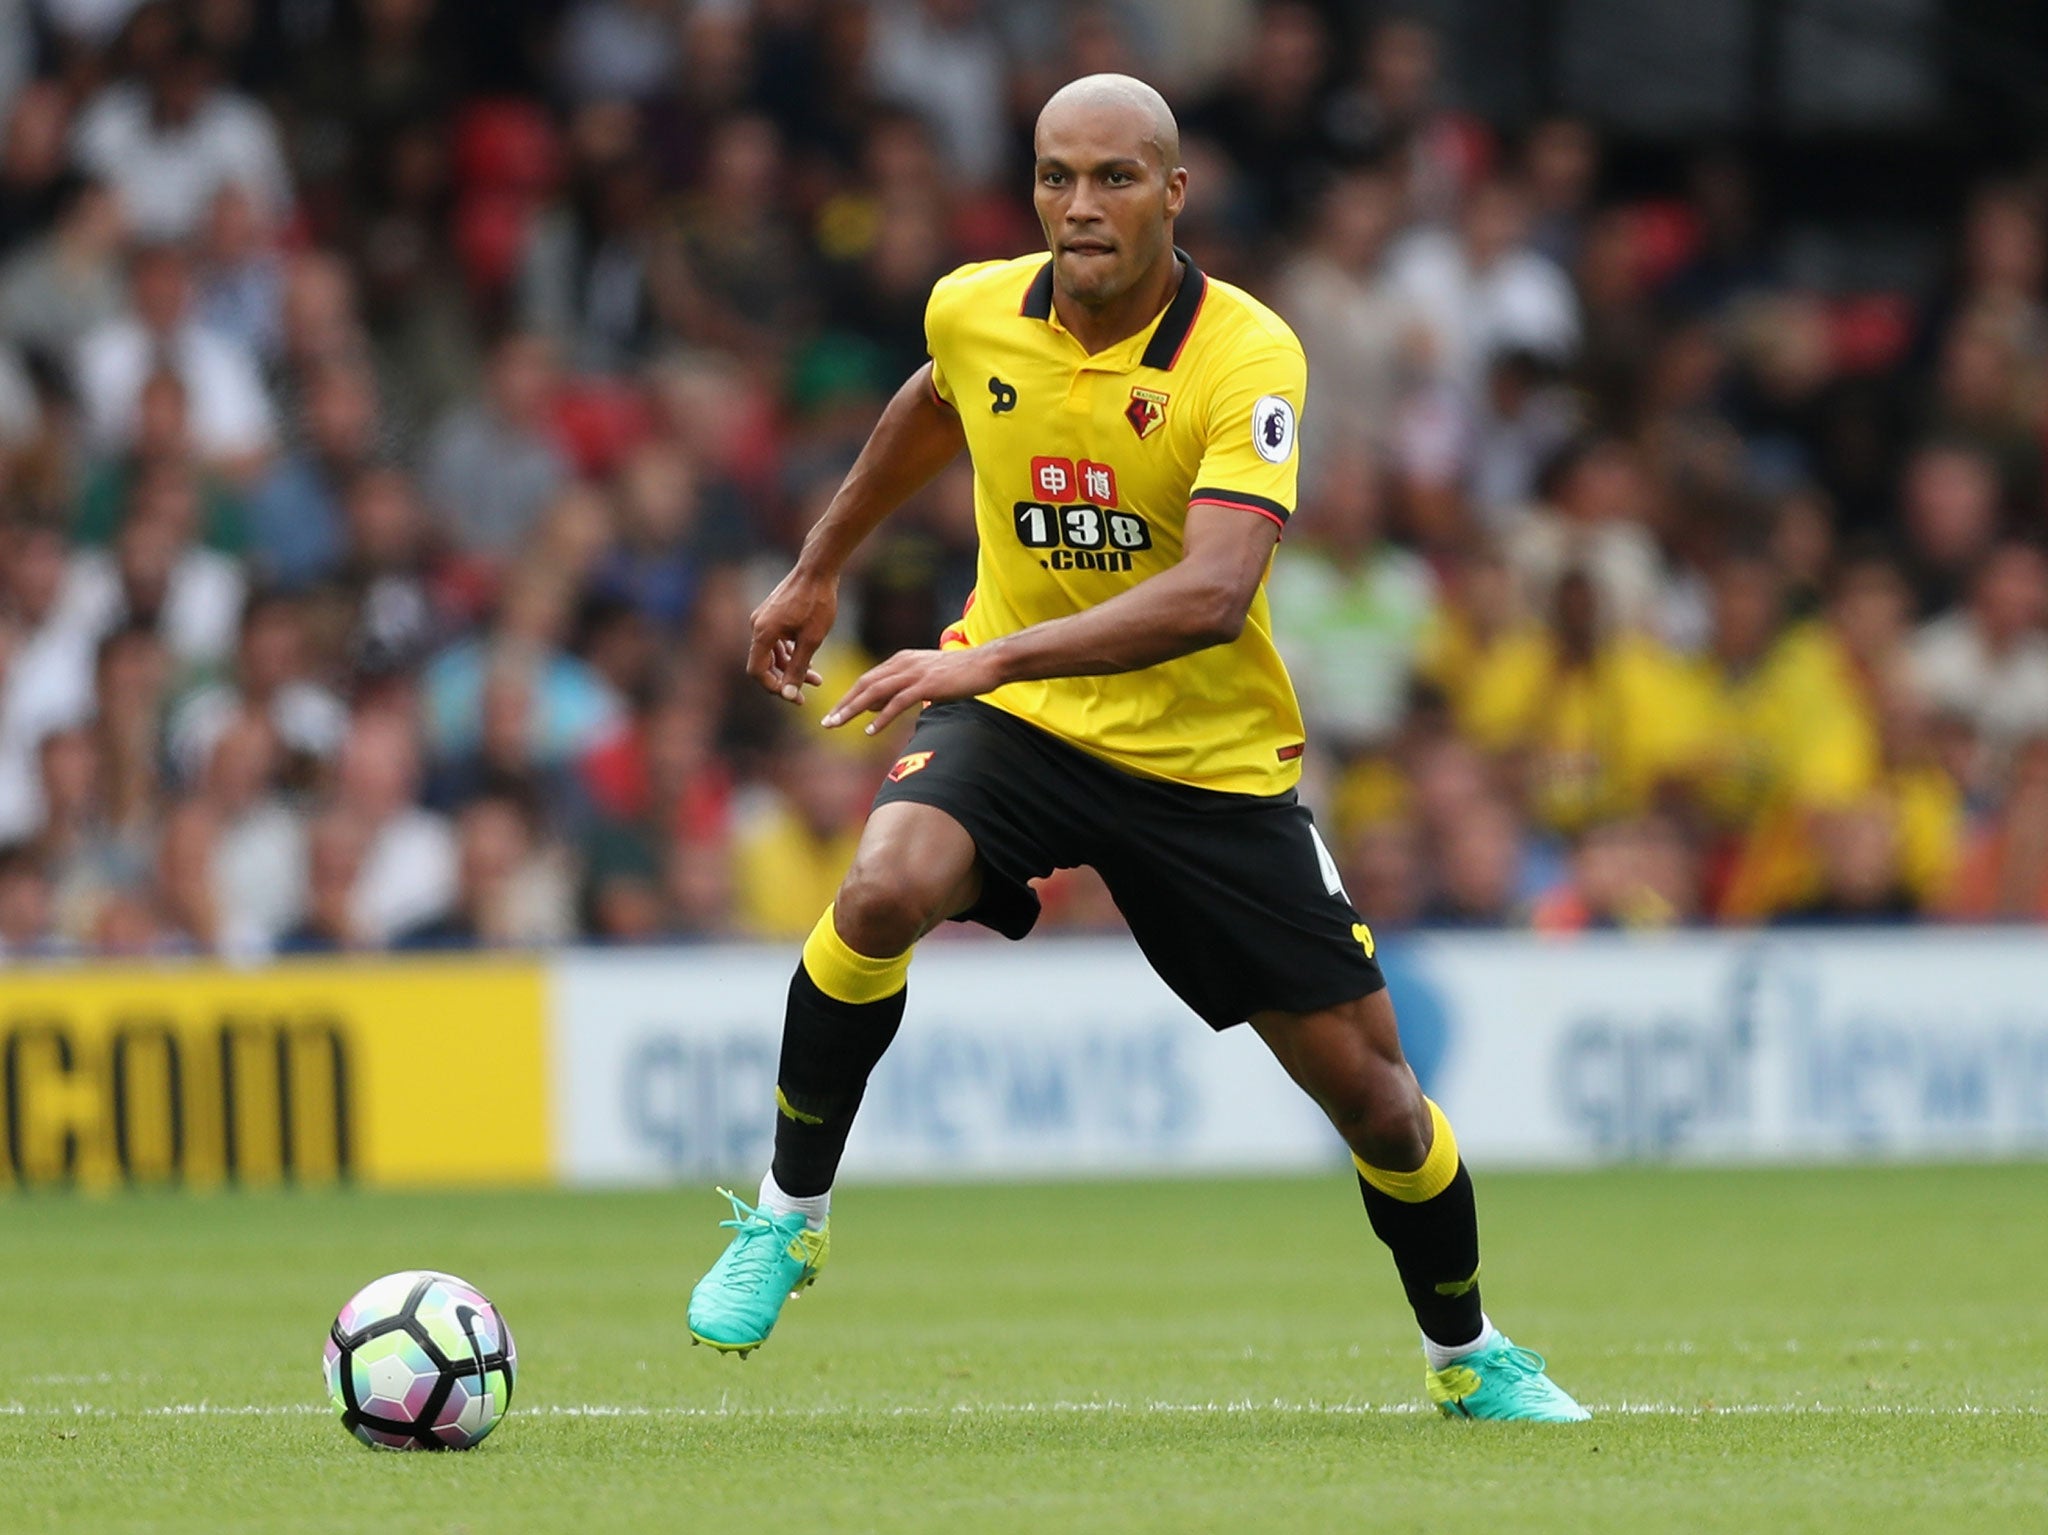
[1144, 109]
[1109, 186]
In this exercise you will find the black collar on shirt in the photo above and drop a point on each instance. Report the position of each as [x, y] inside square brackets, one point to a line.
[1167, 342]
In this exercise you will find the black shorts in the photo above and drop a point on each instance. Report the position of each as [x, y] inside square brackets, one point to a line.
[1232, 897]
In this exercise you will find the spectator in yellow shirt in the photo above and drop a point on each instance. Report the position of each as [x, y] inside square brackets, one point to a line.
[1598, 720]
[1817, 721]
[793, 851]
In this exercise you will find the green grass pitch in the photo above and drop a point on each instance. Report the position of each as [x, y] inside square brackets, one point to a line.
[1769, 1351]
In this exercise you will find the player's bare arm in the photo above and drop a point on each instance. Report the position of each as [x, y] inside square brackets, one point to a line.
[1199, 601]
[917, 436]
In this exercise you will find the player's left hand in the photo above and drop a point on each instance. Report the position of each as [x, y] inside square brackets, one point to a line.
[912, 678]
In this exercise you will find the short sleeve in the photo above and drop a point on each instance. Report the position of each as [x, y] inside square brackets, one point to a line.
[1252, 458]
[940, 311]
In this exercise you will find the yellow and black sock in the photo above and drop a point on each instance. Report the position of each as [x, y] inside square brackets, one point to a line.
[844, 1009]
[1430, 1223]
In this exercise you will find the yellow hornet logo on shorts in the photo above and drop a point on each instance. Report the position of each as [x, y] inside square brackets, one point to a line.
[1359, 931]
[906, 765]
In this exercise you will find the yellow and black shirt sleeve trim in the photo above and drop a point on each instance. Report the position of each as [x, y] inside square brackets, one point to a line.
[1242, 500]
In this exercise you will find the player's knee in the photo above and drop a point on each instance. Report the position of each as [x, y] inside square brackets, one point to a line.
[884, 908]
[1382, 1116]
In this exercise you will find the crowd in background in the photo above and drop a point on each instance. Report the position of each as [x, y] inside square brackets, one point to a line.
[403, 404]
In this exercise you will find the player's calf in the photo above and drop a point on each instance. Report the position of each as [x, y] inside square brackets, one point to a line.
[1418, 1197]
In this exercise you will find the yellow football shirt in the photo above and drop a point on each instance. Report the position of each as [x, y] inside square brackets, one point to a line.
[1085, 466]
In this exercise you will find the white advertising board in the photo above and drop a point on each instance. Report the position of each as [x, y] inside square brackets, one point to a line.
[1069, 1056]
[1733, 1046]
[1041, 1058]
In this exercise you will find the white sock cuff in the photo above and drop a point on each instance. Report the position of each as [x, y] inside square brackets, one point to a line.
[813, 1208]
[1442, 1355]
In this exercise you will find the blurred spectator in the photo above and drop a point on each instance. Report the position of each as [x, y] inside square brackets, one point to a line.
[34, 157]
[503, 761]
[662, 772]
[1988, 659]
[1725, 259]
[182, 912]
[1920, 789]
[1267, 115]
[1861, 879]
[793, 851]
[741, 278]
[1528, 419]
[1384, 872]
[60, 285]
[889, 253]
[46, 665]
[131, 688]
[408, 860]
[570, 707]
[1392, 108]
[1363, 338]
[258, 871]
[944, 59]
[587, 280]
[1482, 291]
[506, 897]
[318, 326]
[492, 467]
[1590, 712]
[86, 853]
[1478, 870]
[296, 516]
[655, 856]
[336, 845]
[231, 416]
[1999, 271]
[157, 574]
[1561, 164]
[2004, 877]
[1950, 508]
[1350, 611]
[619, 48]
[416, 301]
[241, 274]
[1626, 874]
[273, 681]
[1749, 680]
[1593, 517]
[1817, 710]
[385, 581]
[27, 912]
[667, 548]
[160, 451]
[170, 142]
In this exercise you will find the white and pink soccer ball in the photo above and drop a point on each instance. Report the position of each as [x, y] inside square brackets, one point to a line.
[420, 1361]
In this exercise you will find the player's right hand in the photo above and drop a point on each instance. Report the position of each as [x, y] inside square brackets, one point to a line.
[787, 630]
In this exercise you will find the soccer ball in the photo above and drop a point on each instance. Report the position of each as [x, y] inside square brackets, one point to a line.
[420, 1361]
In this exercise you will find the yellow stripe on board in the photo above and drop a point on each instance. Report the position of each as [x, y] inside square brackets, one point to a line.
[406, 1073]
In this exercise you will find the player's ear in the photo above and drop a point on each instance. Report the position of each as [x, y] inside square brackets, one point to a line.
[1176, 191]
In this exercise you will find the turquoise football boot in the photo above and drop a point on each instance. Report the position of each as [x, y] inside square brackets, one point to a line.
[770, 1258]
[1501, 1381]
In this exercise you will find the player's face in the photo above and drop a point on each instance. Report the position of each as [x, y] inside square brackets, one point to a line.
[1106, 203]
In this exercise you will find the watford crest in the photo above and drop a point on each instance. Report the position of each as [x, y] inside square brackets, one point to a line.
[1146, 412]
[907, 765]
